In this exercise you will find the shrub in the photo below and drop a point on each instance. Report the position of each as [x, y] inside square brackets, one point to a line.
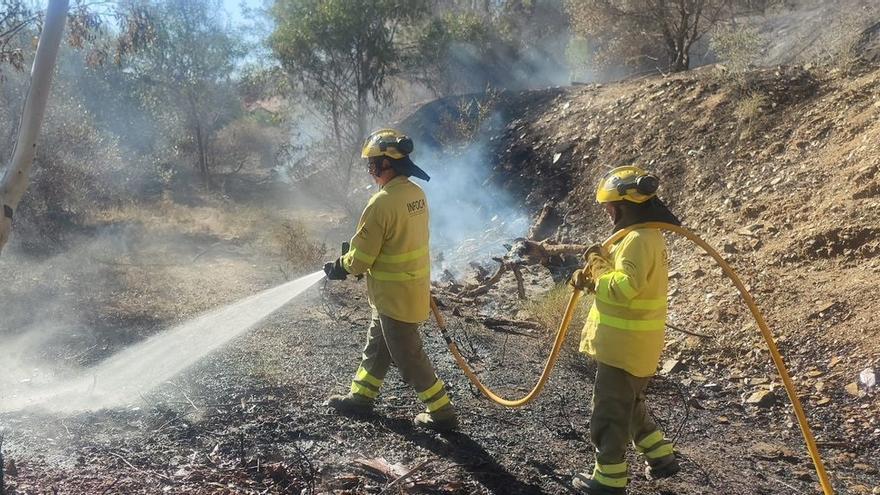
[78, 169]
[301, 253]
[472, 114]
[738, 47]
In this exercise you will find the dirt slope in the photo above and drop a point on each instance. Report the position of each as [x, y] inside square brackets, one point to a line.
[790, 195]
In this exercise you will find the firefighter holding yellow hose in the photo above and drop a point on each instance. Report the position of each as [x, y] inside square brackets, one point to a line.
[624, 332]
[391, 248]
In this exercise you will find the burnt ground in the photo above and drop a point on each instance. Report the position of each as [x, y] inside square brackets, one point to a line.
[249, 420]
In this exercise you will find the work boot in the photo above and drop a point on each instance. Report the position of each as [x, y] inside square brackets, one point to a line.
[440, 421]
[664, 467]
[586, 485]
[350, 404]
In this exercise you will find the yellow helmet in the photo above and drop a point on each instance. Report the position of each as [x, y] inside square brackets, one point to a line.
[628, 183]
[387, 142]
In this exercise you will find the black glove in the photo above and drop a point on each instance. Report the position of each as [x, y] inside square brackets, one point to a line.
[335, 270]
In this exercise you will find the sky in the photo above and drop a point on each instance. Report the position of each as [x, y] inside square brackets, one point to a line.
[233, 7]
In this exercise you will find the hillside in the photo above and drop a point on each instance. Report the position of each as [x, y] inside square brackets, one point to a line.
[790, 193]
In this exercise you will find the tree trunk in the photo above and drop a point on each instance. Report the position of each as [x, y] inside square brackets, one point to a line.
[15, 181]
[201, 145]
[682, 60]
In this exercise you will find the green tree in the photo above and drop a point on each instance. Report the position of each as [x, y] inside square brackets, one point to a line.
[88, 24]
[342, 54]
[185, 79]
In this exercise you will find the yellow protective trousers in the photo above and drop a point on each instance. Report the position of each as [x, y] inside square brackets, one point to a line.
[390, 340]
[620, 416]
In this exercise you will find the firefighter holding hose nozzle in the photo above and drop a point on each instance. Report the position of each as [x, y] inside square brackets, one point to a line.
[624, 332]
[391, 248]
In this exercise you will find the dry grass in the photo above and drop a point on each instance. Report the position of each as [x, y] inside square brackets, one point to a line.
[224, 221]
[297, 247]
[748, 110]
[549, 308]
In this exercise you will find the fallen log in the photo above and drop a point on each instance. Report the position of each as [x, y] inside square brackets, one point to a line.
[541, 252]
[545, 225]
[503, 267]
[492, 321]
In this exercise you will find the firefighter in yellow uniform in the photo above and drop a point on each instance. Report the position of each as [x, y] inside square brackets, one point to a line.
[391, 248]
[624, 332]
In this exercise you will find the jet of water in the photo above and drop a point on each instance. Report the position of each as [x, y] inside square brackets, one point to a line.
[124, 376]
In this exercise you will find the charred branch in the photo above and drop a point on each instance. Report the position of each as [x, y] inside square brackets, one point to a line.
[504, 267]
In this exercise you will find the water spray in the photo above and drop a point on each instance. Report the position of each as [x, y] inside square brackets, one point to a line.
[569, 313]
[143, 366]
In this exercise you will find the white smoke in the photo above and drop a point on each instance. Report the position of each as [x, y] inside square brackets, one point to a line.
[471, 219]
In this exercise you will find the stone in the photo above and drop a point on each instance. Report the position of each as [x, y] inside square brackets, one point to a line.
[852, 389]
[671, 366]
[762, 398]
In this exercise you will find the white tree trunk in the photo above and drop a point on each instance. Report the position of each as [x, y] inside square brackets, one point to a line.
[15, 181]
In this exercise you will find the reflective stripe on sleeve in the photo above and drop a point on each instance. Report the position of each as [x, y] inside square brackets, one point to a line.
[621, 283]
[362, 256]
[624, 285]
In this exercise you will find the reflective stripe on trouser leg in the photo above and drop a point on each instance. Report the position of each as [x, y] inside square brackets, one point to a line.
[374, 362]
[612, 475]
[365, 384]
[435, 397]
[405, 345]
[654, 446]
[614, 397]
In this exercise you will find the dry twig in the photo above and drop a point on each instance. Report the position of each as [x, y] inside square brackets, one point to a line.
[405, 476]
[688, 332]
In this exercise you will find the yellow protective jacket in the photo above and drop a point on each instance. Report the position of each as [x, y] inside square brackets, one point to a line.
[391, 247]
[625, 327]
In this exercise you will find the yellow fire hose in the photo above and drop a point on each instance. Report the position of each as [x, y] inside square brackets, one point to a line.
[569, 313]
